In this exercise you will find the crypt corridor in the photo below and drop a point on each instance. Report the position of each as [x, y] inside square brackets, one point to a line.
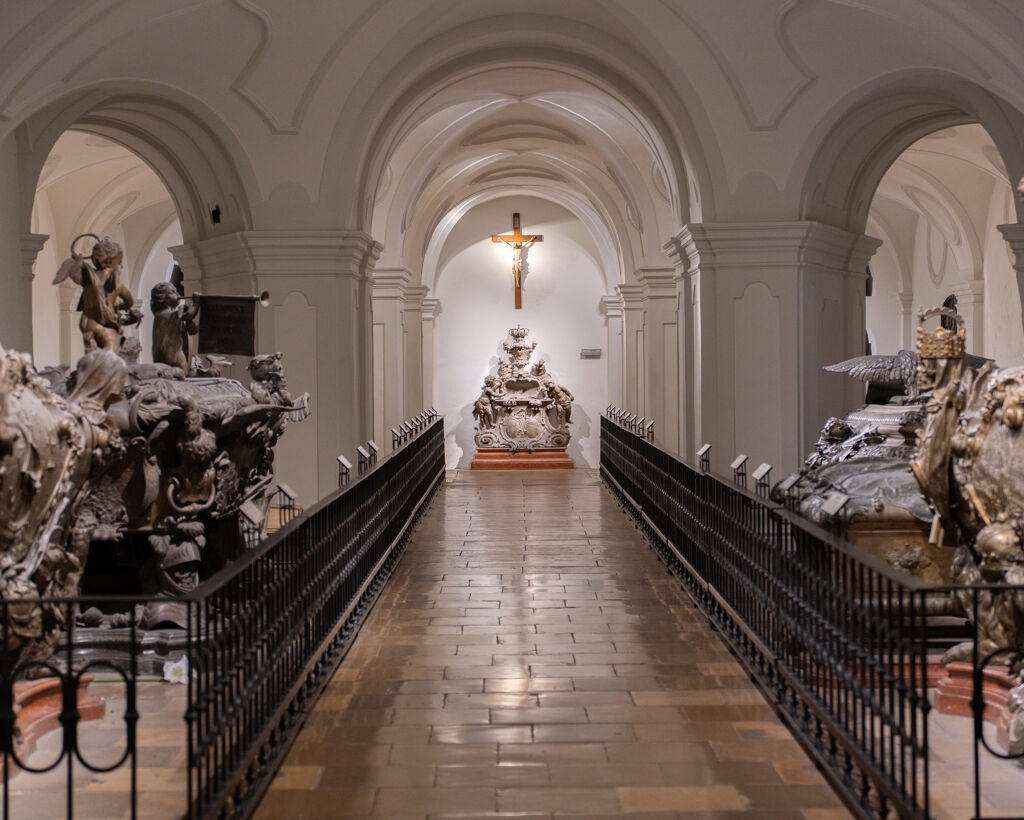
[530, 656]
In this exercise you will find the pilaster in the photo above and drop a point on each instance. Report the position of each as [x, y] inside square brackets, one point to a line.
[430, 311]
[319, 319]
[21, 294]
[908, 321]
[772, 304]
[612, 307]
[1014, 236]
[72, 348]
[661, 354]
[970, 304]
[413, 330]
[633, 384]
[388, 296]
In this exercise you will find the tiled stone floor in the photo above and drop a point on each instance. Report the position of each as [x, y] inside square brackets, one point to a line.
[530, 658]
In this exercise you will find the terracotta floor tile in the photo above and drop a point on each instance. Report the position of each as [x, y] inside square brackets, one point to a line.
[320, 803]
[535, 715]
[510, 774]
[681, 798]
[552, 752]
[442, 753]
[583, 801]
[434, 800]
[530, 658]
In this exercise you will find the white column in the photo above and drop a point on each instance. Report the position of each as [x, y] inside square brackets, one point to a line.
[415, 400]
[388, 298]
[633, 387]
[31, 244]
[661, 354]
[685, 287]
[431, 310]
[970, 304]
[1014, 236]
[612, 308]
[908, 323]
[774, 303]
[72, 348]
[693, 257]
[320, 320]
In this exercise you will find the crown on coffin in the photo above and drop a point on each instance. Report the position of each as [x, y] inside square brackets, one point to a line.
[940, 343]
[519, 333]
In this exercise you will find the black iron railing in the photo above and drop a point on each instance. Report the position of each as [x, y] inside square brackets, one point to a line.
[838, 641]
[264, 636]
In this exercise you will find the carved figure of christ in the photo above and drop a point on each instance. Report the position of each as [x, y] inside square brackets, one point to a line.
[517, 240]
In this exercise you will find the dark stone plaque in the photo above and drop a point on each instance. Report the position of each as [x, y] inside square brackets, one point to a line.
[227, 325]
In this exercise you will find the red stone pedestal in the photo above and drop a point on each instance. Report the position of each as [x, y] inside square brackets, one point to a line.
[542, 458]
[38, 704]
[953, 695]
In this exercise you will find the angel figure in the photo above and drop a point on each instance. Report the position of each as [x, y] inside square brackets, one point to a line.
[173, 320]
[563, 401]
[106, 304]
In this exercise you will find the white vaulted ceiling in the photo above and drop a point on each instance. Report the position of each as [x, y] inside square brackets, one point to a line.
[389, 116]
[510, 130]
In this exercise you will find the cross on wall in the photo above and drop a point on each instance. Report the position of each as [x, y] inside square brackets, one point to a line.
[517, 240]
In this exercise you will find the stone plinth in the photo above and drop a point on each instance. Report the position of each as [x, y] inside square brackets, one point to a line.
[953, 696]
[39, 703]
[501, 458]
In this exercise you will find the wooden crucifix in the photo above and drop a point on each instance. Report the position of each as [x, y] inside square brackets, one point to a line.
[517, 241]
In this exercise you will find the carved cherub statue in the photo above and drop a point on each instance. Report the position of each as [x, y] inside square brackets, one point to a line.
[173, 321]
[563, 400]
[268, 385]
[106, 304]
[483, 412]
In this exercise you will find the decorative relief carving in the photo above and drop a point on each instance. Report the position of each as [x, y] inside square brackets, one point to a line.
[522, 407]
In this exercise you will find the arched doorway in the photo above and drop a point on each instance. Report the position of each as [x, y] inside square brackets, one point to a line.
[937, 208]
[91, 184]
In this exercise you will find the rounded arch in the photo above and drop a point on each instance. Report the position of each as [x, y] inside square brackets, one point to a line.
[360, 145]
[608, 248]
[195, 155]
[848, 153]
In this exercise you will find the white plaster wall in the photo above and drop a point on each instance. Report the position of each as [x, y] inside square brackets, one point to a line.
[562, 289]
[882, 308]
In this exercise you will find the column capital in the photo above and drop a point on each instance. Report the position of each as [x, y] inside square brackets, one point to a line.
[632, 295]
[611, 305]
[1014, 236]
[31, 244]
[389, 283]
[657, 282]
[250, 254]
[770, 245]
[414, 296]
[431, 309]
[968, 292]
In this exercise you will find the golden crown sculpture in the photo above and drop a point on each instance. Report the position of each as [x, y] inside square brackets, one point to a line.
[940, 343]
